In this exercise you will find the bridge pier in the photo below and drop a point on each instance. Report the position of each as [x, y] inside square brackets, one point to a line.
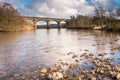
[59, 25]
[34, 24]
[48, 25]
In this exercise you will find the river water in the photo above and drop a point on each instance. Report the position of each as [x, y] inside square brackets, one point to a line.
[26, 50]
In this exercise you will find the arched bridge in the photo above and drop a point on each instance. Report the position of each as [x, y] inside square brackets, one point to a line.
[47, 20]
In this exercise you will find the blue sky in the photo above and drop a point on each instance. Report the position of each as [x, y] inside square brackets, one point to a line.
[58, 8]
[118, 1]
[25, 2]
[21, 3]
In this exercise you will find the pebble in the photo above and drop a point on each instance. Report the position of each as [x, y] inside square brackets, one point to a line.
[71, 65]
[16, 75]
[118, 76]
[93, 78]
[57, 76]
[53, 68]
[44, 70]
[23, 77]
[106, 78]
[74, 56]
[2, 73]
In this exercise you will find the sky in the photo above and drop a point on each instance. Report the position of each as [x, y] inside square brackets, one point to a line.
[61, 8]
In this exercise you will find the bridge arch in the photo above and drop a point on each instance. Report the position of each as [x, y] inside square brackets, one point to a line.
[63, 23]
[41, 24]
[53, 24]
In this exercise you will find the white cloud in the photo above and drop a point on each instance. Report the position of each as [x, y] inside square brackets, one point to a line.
[57, 8]
[13, 2]
[62, 8]
[10, 1]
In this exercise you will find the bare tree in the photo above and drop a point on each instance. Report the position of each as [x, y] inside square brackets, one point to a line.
[118, 11]
[9, 17]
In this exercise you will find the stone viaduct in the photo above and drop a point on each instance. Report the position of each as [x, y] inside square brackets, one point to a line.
[47, 20]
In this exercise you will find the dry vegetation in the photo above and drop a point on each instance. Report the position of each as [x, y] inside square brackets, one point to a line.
[10, 19]
[106, 19]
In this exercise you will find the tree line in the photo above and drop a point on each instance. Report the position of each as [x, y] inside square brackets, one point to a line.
[10, 19]
[107, 20]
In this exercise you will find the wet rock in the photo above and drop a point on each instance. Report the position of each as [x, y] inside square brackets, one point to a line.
[44, 70]
[23, 77]
[101, 54]
[103, 44]
[37, 69]
[2, 73]
[116, 39]
[89, 76]
[99, 77]
[11, 78]
[117, 68]
[97, 63]
[118, 76]
[79, 78]
[112, 53]
[101, 71]
[112, 74]
[86, 50]
[16, 75]
[66, 64]
[74, 56]
[71, 65]
[62, 63]
[112, 49]
[34, 77]
[112, 59]
[91, 54]
[98, 44]
[83, 55]
[53, 68]
[76, 60]
[93, 45]
[42, 74]
[108, 67]
[49, 76]
[92, 72]
[70, 53]
[118, 58]
[93, 78]
[106, 78]
[84, 71]
[57, 76]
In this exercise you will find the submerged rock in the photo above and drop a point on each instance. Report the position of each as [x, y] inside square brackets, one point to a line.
[2, 74]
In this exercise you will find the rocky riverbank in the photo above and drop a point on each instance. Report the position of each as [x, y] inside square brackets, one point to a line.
[84, 66]
[94, 67]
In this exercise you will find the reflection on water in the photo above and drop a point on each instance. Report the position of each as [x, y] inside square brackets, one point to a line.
[24, 50]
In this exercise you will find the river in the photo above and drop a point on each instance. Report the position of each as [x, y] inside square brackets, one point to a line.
[22, 51]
